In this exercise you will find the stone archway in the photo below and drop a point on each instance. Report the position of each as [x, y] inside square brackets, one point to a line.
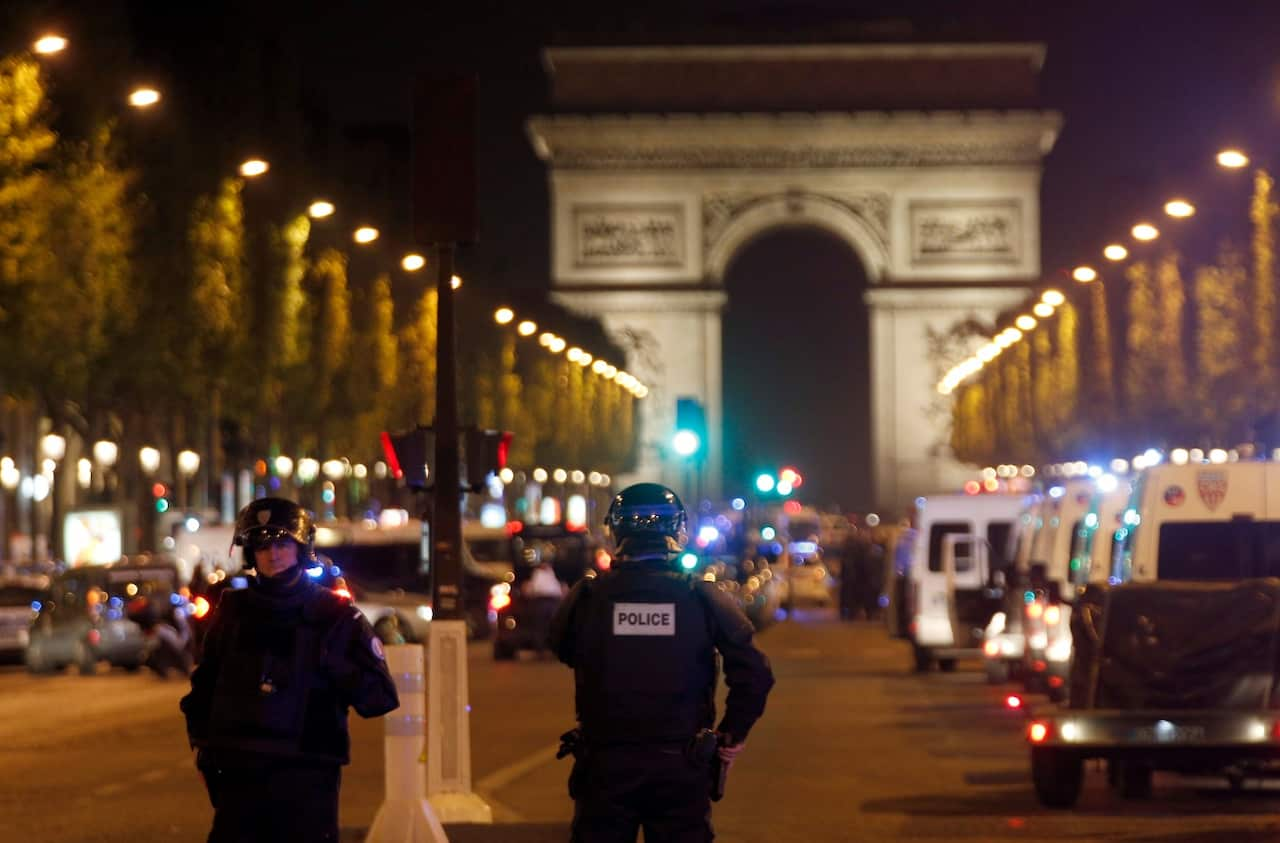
[935, 190]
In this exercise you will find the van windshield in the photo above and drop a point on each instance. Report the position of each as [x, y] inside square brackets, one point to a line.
[1218, 550]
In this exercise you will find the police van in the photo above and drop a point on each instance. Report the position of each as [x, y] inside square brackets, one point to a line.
[960, 545]
[1174, 657]
[1003, 640]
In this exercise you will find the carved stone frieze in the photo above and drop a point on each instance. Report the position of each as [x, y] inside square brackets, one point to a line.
[719, 210]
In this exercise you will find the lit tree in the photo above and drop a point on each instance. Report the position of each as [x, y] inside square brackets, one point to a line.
[1262, 211]
[1224, 366]
[415, 395]
[329, 318]
[372, 382]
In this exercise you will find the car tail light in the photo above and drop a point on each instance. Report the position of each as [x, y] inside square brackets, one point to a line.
[1039, 666]
[991, 648]
[200, 606]
[1013, 702]
[1038, 732]
[1034, 610]
[500, 597]
[1055, 681]
[343, 592]
[1052, 615]
[94, 637]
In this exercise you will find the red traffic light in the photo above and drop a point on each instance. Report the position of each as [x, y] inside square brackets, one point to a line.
[158, 490]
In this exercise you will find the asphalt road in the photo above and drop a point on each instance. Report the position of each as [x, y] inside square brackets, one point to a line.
[852, 748]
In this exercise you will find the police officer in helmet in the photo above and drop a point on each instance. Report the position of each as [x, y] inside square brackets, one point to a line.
[642, 640]
[283, 661]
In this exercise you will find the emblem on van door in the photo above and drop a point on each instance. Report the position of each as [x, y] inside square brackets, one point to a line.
[1174, 496]
[1212, 486]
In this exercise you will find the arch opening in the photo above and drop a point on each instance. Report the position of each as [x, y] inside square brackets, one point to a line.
[796, 365]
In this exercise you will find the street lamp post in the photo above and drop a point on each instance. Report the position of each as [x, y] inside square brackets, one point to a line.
[149, 462]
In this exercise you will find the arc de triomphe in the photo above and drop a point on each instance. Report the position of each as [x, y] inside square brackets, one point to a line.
[665, 161]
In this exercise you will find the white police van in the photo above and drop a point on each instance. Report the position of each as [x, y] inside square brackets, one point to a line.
[1173, 669]
[961, 541]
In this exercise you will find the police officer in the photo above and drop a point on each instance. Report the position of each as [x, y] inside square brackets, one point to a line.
[283, 661]
[642, 641]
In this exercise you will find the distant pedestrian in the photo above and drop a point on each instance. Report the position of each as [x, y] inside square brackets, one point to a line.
[283, 661]
[855, 575]
[544, 591]
[642, 639]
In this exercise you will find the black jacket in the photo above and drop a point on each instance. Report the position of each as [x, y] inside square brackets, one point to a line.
[281, 665]
[642, 641]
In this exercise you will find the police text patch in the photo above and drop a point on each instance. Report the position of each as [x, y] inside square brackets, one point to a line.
[644, 619]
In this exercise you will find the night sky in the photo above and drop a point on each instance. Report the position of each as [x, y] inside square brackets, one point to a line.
[1148, 91]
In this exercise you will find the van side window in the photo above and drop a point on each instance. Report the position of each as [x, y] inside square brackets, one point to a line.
[999, 534]
[936, 532]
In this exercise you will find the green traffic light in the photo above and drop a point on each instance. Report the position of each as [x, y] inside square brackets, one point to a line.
[688, 561]
[765, 483]
[162, 505]
[686, 443]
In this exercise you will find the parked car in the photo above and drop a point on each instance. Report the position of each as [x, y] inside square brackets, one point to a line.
[83, 621]
[20, 602]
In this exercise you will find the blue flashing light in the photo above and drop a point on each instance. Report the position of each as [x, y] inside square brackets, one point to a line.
[337, 572]
[804, 548]
[315, 572]
[688, 561]
[883, 601]
[175, 599]
[708, 533]
[36, 605]
[738, 504]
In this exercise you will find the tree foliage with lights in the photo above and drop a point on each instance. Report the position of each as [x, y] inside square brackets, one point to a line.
[1195, 365]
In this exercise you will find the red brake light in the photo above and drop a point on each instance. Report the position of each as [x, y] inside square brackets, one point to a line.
[1013, 701]
[515, 528]
[94, 637]
[1037, 732]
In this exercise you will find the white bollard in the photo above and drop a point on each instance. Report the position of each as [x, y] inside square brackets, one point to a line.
[449, 731]
[405, 816]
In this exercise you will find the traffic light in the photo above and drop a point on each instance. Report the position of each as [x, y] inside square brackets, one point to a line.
[691, 427]
[159, 491]
[408, 455]
[765, 482]
[486, 453]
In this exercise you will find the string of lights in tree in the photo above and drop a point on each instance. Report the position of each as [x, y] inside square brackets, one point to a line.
[1145, 231]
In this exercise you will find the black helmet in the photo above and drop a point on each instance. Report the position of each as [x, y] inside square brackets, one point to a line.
[647, 518]
[271, 519]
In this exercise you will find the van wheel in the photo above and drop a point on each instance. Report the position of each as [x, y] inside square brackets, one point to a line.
[997, 672]
[503, 651]
[1058, 776]
[922, 658]
[947, 665]
[1135, 780]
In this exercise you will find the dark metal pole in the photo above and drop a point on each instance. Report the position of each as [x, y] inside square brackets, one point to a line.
[446, 523]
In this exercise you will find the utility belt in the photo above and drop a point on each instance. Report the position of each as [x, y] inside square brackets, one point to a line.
[700, 750]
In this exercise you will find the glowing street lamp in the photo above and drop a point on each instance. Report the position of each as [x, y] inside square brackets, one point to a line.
[503, 315]
[144, 97]
[365, 234]
[557, 345]
[1145, 232]
[149, 459]
[320, 209]
[1043, 310]
[1115, 252]
[1025, 322]
[284, 466]
[1232, 159]
[1053, 297]
[455, 282]
[1179, 208]
[49, 45]
[53, 446]
[527, 328]
[188, 463]
[253, 168]
[413, 262]
[105, 453]
[1084, 274]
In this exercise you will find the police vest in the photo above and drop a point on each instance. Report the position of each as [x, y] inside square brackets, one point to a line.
[646, 661]
[272, 696]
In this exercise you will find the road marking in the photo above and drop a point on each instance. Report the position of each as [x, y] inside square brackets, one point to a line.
[153, 776]
[504, 776]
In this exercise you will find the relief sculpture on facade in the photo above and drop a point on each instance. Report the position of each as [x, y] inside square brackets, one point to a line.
[720, 210]
[629, 235]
